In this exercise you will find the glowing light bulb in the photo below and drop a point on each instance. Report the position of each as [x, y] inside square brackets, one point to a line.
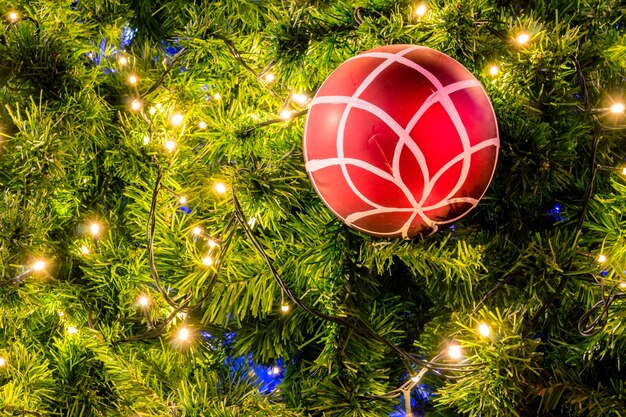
[3, 362]
[207, 261]
[523, 38]
[71, 330]
[617, 108]
[622, 285]
[220, 188]
[299, 98]
[152, 110]
[420, 10]
[454, 351]
[146, 139]
[158, 106]
[285, 114]
[177, 119]
[183, 334]
[122, 60]
[284, 308]
[269, 77]
[212, 243]
[275, 370]
[202, 124]
[182, 199]
[13, 16]
[252, 222]
[132, 80]
[84, 250]
[94, 229]
[484, 330]
[144, 301]
[624, 171]
[602, 259]
[135, 105]
[217, 96]
[170, 145]
[494, 69]
[197, 231]
[39, 265]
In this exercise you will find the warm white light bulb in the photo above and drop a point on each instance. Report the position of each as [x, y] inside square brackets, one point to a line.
[602, 259]
[84, 250]
[202, 124]
[624, 171]
[220, 188]
[217, 96]
[276, 370]
[152, 110]
[182, 199]
[251, 221]
[177, 119]
[3, 362]
[158, 106]
[135, 105]
[299, 98]
[622, 285]
[285, 114]
[183, 334]
[454, 351]
[13, 16]
[420, 10]
[494, 69]
[207, 261]
[132, 80]
[197, 231]
[122, 60]
[72, 330]
[94, 229]
[523, 38]
[617, 108]
[170, 145]
[284, 308]
[484, 330]
[212, 243]
[144, 301]
[269, 77]
[146, 139]
[39, 266]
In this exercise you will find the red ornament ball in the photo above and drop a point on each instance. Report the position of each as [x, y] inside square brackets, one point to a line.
[400, 140]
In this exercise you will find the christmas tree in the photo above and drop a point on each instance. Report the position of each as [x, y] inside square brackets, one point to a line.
[164, 253]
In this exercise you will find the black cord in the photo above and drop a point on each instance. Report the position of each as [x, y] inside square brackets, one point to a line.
[597, 132]
[364, 331]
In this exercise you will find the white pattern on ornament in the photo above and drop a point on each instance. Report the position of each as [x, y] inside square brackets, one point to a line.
[442, 96]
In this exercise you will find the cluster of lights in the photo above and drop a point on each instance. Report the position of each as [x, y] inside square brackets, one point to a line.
[454, 351]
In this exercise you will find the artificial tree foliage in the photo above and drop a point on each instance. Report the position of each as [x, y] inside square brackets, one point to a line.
[252, 265]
